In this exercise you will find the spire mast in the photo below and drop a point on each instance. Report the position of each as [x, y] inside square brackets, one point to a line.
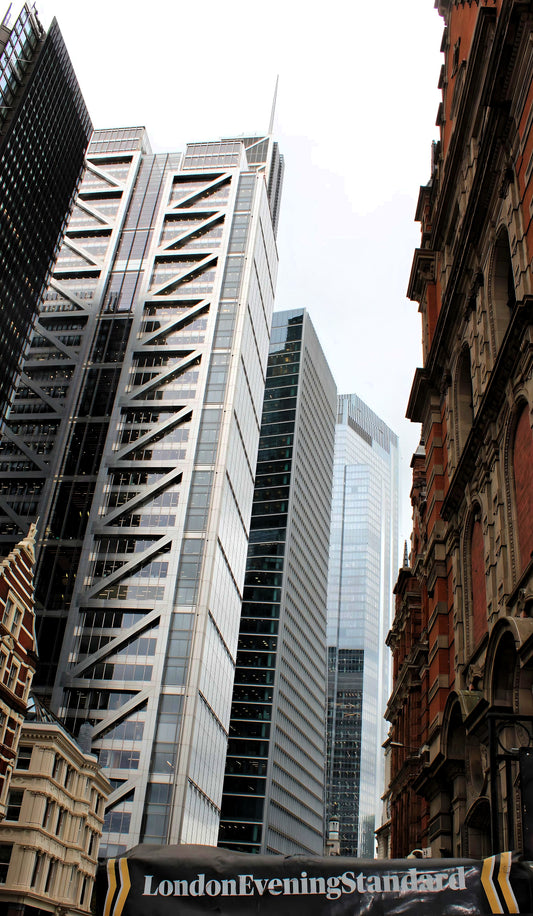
[273, 112]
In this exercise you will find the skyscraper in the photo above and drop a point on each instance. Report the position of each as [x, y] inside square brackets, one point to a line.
[274, 788]
[134, 437]
[44, 132]
[362, 570]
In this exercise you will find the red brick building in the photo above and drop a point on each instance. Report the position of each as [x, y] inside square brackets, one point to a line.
[17, 653]
[461, 711]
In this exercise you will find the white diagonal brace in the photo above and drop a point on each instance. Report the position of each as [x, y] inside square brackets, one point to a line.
[111, 647]
[183, 318]
[208, 186]
[175, 420]
[161, 377]
[143, 497]
[180, 277]
[181, 237]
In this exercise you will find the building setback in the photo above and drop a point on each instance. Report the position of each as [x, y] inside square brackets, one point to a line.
[44, 132]
[362, 564]
[274, 787]
[462, 737]
[134, 436]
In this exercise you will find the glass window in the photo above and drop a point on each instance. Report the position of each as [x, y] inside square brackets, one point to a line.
[5, 857]
[14, 804]
[23, 758]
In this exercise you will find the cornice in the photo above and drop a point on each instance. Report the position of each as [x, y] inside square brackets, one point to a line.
[423, 271]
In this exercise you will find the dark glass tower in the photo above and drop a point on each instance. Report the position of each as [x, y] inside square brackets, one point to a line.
[44, 132]
[274, 787]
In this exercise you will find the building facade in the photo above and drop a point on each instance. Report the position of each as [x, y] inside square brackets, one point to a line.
[17, 653]
[55, 813]
[363, 559]
[273, 799]
[133, 436]
[405, 821]
[44, 132]
[470, 576]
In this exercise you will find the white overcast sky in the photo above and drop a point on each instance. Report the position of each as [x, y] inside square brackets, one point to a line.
[355, 119]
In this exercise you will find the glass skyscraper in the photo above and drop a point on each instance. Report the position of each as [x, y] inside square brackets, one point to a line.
[363, 563]
[133, 438]
[44, 132]
[274, 788]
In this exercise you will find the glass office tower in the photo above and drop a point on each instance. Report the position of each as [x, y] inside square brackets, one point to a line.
[274, 788]
[133, 437]
[363, 564]
[44, 132]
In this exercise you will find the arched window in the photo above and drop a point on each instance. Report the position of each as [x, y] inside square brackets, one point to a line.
[523, 485]
[477, 828]
[478, 582]
[504, 672]
[503, 290]
[463, 398]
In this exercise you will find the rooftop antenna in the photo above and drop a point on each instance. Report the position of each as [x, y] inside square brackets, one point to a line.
[273, 112]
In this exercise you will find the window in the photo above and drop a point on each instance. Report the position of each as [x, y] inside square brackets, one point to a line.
[50, 877]
[48, 811]
[7, 612]
[14, 804]
[12, 616]
[37, 869]
[5, 857]
[60, 821]
[17, 620]
[83, 890]
[57, 767]
[12, 678]
[23, 758]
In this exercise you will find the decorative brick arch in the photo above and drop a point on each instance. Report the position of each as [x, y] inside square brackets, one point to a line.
[509, 681]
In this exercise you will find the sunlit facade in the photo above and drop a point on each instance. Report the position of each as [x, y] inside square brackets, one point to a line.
[133, 437]
[362, 571]
[274, 788]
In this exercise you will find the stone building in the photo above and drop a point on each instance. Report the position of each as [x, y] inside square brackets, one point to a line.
[17, 652]
[50, 835]
[461, 711]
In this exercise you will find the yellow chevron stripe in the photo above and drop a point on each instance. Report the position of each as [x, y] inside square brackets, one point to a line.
[505, 884]
[125, 886]
[111, 886]
[488, 885]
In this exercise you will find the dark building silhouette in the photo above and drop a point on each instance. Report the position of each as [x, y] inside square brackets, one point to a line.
[273, 797]
[461, 710]
[44, 131]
